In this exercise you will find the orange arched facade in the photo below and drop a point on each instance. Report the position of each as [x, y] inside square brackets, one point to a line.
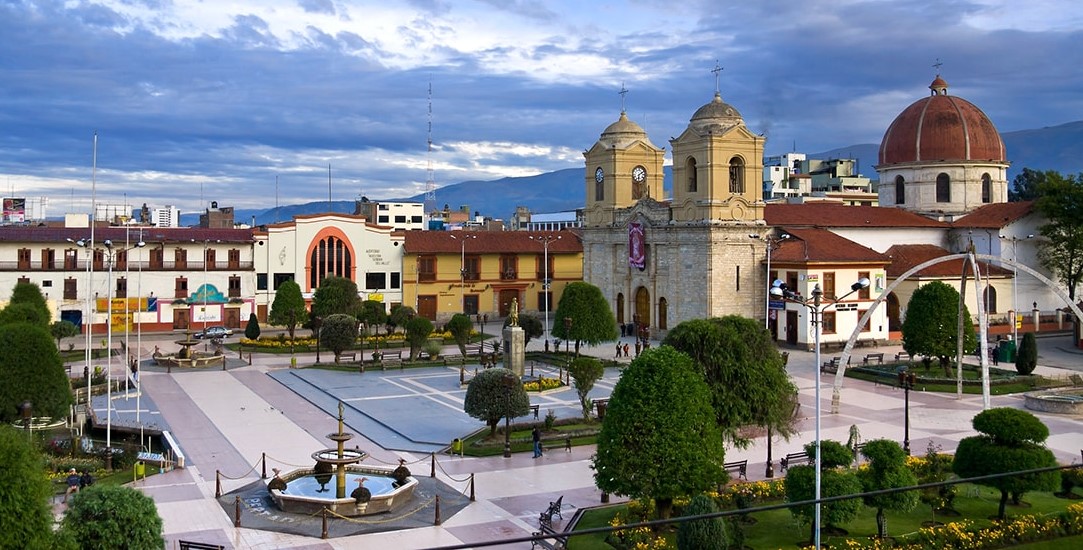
[329, 253]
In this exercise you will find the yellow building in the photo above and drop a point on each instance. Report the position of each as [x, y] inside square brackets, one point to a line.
[480, 272]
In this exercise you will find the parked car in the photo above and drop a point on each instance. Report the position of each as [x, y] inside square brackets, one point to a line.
[214, 332]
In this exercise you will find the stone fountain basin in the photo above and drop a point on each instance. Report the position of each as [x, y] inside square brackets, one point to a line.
[301, 498]
[1062, 401]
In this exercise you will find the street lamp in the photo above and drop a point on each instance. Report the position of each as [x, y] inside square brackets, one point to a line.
[1015, 275]
[816, 306]
[545, 240]
[111, 255]
[88, 319]
[462, 269]
[906, 382]
[509, 386]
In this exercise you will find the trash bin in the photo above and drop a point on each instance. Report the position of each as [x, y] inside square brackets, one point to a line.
[1006, 352]
[140, 469]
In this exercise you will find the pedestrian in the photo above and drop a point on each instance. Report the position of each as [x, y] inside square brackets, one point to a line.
[618, 350]
[536, 436]
[85, 480]
[73, 483]
[626, 350]
[623, 330]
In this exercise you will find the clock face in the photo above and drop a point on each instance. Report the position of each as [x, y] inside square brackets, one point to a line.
[639, 174]
[599, 175]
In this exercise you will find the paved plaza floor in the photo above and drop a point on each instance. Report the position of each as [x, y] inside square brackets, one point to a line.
[226, 421]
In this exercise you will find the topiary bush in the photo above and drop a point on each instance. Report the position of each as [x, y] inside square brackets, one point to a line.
[701, 533]
[1027, 358]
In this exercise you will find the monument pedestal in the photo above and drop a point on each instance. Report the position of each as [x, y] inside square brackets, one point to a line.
[515, 350]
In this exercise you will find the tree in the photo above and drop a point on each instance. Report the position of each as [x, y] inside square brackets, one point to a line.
[418, 330]
[1010, 440]
[31, 370]
[16, 312]
[29, 293]
[531, 325]
[1060, 201]
[288, 308]
[745, 372]
[592, 319]
[460, 326]
[932, 321]
[338, 332]
[488, 398]
[887, 470]
[25, 492]
[251, 330]
[701, 534]
[113, 516]
[1025, 185]
[63, 329]
[372, 314]
[399, 315]
[834, 481]
[335, 295]
[585, 371]
[659, 439]
[1027, 359]
[935, 469]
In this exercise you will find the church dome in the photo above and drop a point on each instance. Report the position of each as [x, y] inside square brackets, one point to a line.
[941, 128]
[716, 115]
[623, 133]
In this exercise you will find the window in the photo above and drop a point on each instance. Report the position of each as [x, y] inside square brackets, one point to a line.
[990, 298]
[426, 268]
[791, 280]
[234, 286]
[509, 267]
[24, 259]
[868, 324]
[375, 281]
[180, 288]
[24, 280]
[417, 219]
[943, 187]
[396, 280]
[234, 258]
[71, 259]
[827, 318]
[599, 190]
[543, 270]
[470, 304]
[829, 284]
[46, 284]
[900, 190]
[210, 257]
[261, 281]
[737, 279]
[71, 289]
[737, 175]
[281, 278]
[121, 260]
[400, 219]
[48, 259]
[157, 258]
[180, 258]
[122, 288]
[863, 294]
[472, 268]
[99, 260]
[383, 219]
[986, 188]
[545, 301]
[330, 258]
[690, 168]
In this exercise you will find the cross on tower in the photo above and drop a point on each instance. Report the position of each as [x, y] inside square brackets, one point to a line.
[717, 70]
[623, 92]
[937, 65]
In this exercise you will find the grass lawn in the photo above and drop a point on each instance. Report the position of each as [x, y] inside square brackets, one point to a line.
[779, 528]
[1000, 385]
[481, 444]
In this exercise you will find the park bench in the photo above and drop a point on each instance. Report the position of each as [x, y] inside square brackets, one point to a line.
[794, 458]
[534, 409]
[902, 356]
[739, 467]
[348, 356]
[474, 350]
[879, 357]
[545, 525]
[192, 545]
[830, 367]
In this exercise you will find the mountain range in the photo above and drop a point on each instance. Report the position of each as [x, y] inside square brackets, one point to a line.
[1058, 148]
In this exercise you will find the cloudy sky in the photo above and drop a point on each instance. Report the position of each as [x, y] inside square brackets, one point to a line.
[200, 100]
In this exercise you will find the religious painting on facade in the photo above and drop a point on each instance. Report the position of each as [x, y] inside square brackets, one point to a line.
[637, 252]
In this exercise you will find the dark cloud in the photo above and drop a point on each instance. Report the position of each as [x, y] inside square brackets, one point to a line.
[317, 6]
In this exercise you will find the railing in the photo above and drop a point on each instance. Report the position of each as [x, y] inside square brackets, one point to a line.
[132, 266]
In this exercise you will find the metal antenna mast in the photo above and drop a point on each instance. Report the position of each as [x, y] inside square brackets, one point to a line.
[430, 180]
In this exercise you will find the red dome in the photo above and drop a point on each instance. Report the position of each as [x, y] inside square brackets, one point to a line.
[941, 127]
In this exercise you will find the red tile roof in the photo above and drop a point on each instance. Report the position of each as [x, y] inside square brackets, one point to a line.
[837, 215]
[490, 242]
[906, 256]
[14, 234]
[821, 245]
[995, 216]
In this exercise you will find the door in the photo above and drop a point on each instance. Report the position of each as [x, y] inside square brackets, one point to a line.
[426, 307]
[791, 328]
[261, 313]
[620, 308]
[180, 319]
[643, 306]
[233, 317]
[506, 296]
[893, 322]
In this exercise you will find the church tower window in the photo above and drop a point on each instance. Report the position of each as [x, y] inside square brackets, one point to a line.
[986, 188]
[690, 168]
[900, 190]
[737, 175]
[943, 187]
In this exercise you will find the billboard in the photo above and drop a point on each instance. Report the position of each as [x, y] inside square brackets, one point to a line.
[14, 210]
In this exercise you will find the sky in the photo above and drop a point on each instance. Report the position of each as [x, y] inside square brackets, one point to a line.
[248, 103]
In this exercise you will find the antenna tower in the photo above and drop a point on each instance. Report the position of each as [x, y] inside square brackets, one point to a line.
[430, 176]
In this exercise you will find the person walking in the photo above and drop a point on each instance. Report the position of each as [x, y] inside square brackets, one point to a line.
[536, 436]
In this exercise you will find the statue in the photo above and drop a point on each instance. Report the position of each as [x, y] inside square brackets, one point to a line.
[361, 494]
[513, 313]
[276, 482]
[400, 474]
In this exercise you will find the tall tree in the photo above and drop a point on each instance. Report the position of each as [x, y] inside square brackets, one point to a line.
[585, 371]
[372, 314]
[24, 492]
[701, 534]
[745, 372]
[336, 295]
[16, 312]
[659, 439]
[252, 330]
[63, 329]
[591, 318]
[108, 517]
[1027, 359]
[932, 321]
[1010, 440]
[418, 330]
[494, 394]
[29, 293]
[460, 326]
[1025, 185]
[288, 308]
[31, 370]
[887, 470]
[398, 317]
[338, 332]
[1060, 201]
[835, 480]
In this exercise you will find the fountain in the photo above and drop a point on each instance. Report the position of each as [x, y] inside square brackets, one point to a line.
[1061, 401]
[186, 357]
[378, 489]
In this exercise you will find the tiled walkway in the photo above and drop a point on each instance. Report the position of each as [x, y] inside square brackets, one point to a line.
[226, 420]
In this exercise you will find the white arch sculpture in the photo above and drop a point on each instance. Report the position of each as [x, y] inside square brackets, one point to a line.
[836, 392]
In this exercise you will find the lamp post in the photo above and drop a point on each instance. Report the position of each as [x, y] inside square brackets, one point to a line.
[545, 240]
[1015, 275]
[27, 410]
[816, 306]
[906, 382]
[462, 269]
[509, 386]
[317, 323]
[111, 255]
[88, 319]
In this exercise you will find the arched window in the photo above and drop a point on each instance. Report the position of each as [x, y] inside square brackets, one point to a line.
[900, 190]
[737, 175]
[663, 314]
[943, 187]
[990, 298]
[690, 168]
[330, 257]
[986, 188]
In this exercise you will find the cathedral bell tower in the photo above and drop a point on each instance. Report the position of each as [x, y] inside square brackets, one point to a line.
[622, 167]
